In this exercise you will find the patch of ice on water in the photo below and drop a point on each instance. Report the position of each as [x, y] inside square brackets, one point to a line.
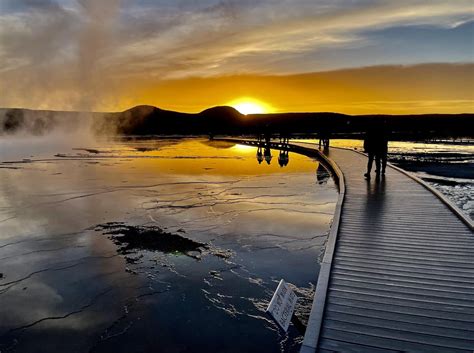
[462, 194]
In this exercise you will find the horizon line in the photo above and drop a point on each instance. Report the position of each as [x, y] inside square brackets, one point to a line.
[224, 106]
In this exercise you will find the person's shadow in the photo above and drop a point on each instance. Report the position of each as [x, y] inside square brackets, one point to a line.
[375, 200]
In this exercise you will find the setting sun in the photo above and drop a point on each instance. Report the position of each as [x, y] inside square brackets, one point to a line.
[250, 106]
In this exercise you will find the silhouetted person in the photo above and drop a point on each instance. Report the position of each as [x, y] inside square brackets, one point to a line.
[326, 142]
[382, 147]
[259, 155]
[324, 137]
[268, 137]
[284, 138]
[371, 145]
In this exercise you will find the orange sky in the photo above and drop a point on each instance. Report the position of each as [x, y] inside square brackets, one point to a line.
[433, 88]
[419, 89]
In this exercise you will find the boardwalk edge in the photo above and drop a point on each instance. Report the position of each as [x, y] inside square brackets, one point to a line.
[311, 337]
[313, 329]
[451, 205]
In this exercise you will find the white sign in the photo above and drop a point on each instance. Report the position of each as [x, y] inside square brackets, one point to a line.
[282, 305]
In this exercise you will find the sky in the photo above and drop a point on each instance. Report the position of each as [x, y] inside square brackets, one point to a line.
[350, 56]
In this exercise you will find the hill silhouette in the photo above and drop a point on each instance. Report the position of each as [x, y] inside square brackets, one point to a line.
[150, 120]
[146, 120]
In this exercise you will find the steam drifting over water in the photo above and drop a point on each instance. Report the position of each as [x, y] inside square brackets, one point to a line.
[58, 54]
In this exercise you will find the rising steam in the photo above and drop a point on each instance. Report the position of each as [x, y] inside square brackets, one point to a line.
[96, 39]
[67, 50]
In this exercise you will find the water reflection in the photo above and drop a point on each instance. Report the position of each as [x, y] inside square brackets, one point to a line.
[264, 153]
[322, 175]
[267, 154]
[259, 155]
[283, 158]
[67, 287]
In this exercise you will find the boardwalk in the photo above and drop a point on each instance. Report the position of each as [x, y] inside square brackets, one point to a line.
[402, 274]
[398, 275]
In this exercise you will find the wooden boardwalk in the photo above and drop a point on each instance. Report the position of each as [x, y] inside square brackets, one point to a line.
[398, 273]
[402, 273]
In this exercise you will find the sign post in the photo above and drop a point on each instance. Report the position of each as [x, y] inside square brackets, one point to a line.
[282, 305]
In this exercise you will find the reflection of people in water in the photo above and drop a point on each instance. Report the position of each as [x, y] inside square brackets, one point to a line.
[267, 153]
[322, 175]
[283, 158]
[259, 155]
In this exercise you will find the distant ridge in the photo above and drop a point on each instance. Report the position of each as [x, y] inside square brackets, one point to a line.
[222, 111]
[150, 120]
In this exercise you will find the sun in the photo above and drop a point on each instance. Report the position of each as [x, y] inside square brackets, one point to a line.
[248, 106]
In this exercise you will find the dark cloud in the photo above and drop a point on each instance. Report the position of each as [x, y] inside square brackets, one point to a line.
[28, 5]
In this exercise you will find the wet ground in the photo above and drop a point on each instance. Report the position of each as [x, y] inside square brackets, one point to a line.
[154, 245]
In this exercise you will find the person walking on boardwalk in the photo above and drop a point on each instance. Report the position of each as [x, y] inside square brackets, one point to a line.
[324, 137]
[371, 147]
[382, 148]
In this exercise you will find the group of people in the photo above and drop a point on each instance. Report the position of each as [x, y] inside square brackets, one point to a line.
[376, 147]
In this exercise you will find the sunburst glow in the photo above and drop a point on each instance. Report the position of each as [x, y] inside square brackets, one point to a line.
[250, 106]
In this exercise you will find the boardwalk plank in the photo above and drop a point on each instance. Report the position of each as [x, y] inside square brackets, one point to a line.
[407, 263]
[402, 314]
[398, 273]
[373, 328]
[387, 289]
[459, 312]
[433, 282]
[402, 255]
[341, 346]
[363, 336]
[444, 335]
